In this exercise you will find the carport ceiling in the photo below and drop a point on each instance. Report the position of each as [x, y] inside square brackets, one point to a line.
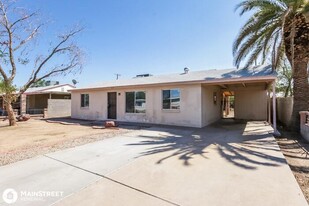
[241, 85]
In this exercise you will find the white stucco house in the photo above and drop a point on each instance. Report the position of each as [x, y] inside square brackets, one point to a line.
[190, 98]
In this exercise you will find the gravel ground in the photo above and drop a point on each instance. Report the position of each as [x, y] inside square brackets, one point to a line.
[296, 152]
[37, 137]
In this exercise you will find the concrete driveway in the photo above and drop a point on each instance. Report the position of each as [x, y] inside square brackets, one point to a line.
[223, 164]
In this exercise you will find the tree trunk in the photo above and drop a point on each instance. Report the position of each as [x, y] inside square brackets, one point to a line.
[301, 93]
[297, 51]
[10, 111]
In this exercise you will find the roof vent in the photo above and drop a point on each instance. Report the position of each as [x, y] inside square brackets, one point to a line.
[143, 75]
[186, 70]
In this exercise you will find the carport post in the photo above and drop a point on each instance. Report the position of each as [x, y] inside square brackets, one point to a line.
[276, 132]
[269, 107]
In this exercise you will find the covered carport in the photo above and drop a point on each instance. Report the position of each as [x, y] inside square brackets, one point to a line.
[243, 95]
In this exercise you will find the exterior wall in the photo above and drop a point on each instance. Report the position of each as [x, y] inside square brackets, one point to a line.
[36, 103]
[251, 103]
[59, 108]
[211, 112]
[197, 108]
[188, 115]
[284, 110]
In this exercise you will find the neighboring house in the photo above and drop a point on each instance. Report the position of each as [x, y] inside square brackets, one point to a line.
[35, 99]
[193, 99]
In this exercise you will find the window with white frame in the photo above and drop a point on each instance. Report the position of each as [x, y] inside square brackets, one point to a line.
[171, 99]
[136, 102]
[84, 100]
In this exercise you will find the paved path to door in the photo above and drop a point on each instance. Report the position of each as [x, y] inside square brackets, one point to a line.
[223, 164]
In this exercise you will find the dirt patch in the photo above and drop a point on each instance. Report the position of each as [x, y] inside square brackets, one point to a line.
[296, 152]
[37, 137]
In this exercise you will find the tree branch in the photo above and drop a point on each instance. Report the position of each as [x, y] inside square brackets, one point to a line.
[56, 70]
[7, 26]
[31, 36]
[22, 19]
[56, 50]
[3, 74]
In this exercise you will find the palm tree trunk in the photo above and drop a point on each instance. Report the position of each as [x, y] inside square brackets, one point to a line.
[296, 41]
[300, 91]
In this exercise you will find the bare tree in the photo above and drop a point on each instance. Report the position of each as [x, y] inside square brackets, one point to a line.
[18, 29]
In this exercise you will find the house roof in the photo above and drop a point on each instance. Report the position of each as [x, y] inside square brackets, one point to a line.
[263, 72]
[47, 89]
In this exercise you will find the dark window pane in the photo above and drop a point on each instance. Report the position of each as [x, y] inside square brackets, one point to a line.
[140, 95]
[86, 100]
[166, 94]
[130, 102]
[166, 104]
[171, 99]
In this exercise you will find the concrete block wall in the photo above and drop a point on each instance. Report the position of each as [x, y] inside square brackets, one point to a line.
[284, 110]
[59, 108]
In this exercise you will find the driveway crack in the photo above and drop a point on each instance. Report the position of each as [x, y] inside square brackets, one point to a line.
[115, 181]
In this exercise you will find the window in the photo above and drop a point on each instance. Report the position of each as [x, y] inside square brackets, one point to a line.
[135, 102]
[84, 100]
[171, 99]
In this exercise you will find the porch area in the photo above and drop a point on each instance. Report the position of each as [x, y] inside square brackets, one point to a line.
[36, 103]
[239, 100]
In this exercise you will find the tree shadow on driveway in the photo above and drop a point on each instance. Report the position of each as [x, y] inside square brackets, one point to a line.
[244, 145]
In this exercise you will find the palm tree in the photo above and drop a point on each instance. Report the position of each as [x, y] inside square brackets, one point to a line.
[278, 28]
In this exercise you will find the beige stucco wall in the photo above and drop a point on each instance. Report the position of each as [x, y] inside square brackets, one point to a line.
[197, 108]
[188, 115]
[211, 112]
[284, 110]
[251, 103]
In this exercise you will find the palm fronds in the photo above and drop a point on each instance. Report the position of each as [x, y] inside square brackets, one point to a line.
[261, 37]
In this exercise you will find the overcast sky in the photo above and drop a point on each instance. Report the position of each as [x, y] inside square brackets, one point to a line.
[132, 37]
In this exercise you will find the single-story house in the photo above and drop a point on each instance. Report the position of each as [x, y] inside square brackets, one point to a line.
[35, 99]
[189, 98]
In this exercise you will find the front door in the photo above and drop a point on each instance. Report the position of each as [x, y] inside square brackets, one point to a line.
[112, 105]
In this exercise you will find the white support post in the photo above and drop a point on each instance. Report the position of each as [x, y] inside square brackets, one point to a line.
[274, 111]
[223, 105]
